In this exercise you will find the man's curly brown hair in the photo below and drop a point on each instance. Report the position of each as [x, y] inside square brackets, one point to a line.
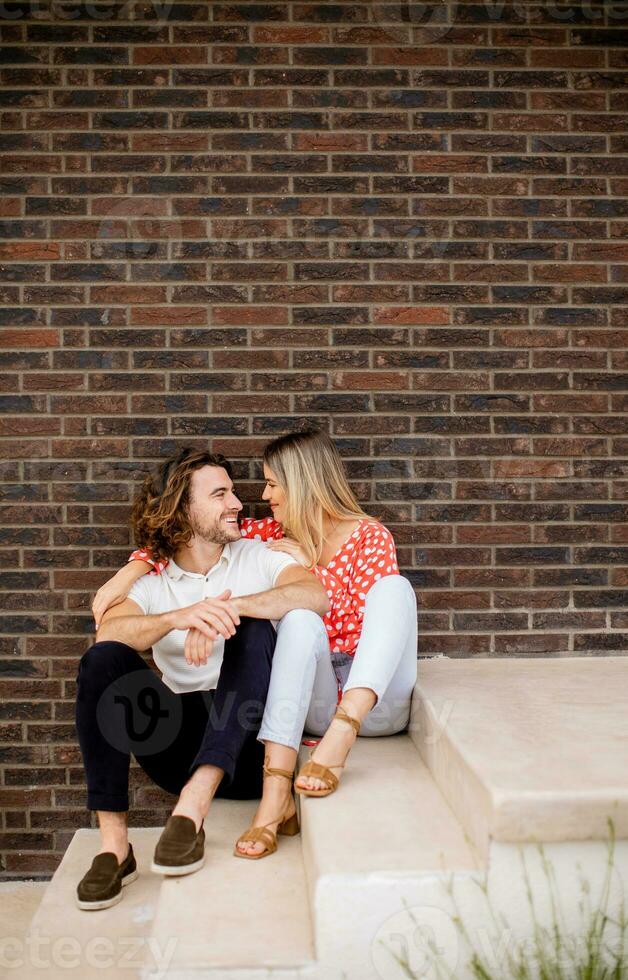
[159, 517]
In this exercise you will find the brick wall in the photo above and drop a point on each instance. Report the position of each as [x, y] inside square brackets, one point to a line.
[404, 222]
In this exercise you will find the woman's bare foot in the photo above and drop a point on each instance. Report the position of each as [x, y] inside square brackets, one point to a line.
[333, 747]
[275, 799]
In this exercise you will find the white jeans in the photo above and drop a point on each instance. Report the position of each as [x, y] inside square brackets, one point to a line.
[303, 691]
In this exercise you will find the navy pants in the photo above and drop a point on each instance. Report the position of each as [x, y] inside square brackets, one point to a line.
[123, 707]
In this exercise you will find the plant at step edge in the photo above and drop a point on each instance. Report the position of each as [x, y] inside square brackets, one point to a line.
[554, 953]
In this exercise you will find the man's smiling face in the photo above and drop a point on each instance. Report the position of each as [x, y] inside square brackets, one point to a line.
[213, 509]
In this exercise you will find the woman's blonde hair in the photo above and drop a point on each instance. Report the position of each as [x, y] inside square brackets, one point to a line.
[309, 470]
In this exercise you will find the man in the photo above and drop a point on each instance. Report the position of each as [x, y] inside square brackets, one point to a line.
[209, 618]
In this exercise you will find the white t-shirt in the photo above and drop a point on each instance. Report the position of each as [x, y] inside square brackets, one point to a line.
[245, 567]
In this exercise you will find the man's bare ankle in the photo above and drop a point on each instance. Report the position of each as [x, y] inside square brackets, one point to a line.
[193, 804]
[116, 846]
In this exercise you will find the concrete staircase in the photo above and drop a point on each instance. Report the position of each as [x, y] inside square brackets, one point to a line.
[499, 754]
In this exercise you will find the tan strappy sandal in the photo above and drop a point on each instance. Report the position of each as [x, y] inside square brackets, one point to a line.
[318, 771]
[289, 826]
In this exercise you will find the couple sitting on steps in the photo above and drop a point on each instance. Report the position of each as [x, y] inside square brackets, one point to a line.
[261, 629]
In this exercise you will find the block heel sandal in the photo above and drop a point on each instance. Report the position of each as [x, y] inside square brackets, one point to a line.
[288, 827]
[317, 771]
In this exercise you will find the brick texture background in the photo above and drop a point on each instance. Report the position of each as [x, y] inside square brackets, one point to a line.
[405, 222]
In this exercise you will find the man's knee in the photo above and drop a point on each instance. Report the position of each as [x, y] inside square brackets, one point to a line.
[251, 637]
[100, 657]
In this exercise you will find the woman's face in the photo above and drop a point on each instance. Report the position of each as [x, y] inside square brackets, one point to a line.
[274, 494]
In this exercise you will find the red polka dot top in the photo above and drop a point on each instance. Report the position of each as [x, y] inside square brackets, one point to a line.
[367, 555]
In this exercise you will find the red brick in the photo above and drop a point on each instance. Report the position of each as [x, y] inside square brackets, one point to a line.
[90, 448]
[250, 98]
[53, 381]
[169, 142]
[250, 360]
[410, 55]
[330, 142]
[19, 449]
[246, 228]
[20, 426]
[370, 380]
[578, 273]
[411, 314]
[530, 122]
[57, 120]
[290, 35]
[177, 315]
[29, 338]
[455, 163]
[118, 207]
[160, 55]
[36, 164]
[251, 403]
[255, 315]
[600, 251]
[237, 448]
[23, 251]
[449, 381]
[567, 58]
[531, 468]
[127, 294]
[579, 101]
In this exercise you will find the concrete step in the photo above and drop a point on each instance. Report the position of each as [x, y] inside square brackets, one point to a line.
[19, 901]
[222, 918]
[384, 841]
[509, 752]
[237, 915]
[107, 944]
[527, 749]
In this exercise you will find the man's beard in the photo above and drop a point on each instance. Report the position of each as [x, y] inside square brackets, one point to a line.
[216, 532]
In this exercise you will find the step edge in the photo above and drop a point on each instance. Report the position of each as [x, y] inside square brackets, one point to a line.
[444, 758]
[497, 809]
[312, 863]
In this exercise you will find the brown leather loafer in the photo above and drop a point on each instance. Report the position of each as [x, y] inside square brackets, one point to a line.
[180, 850]
[102, 886]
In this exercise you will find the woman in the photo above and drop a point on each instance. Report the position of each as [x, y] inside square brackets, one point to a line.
[370, 631]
